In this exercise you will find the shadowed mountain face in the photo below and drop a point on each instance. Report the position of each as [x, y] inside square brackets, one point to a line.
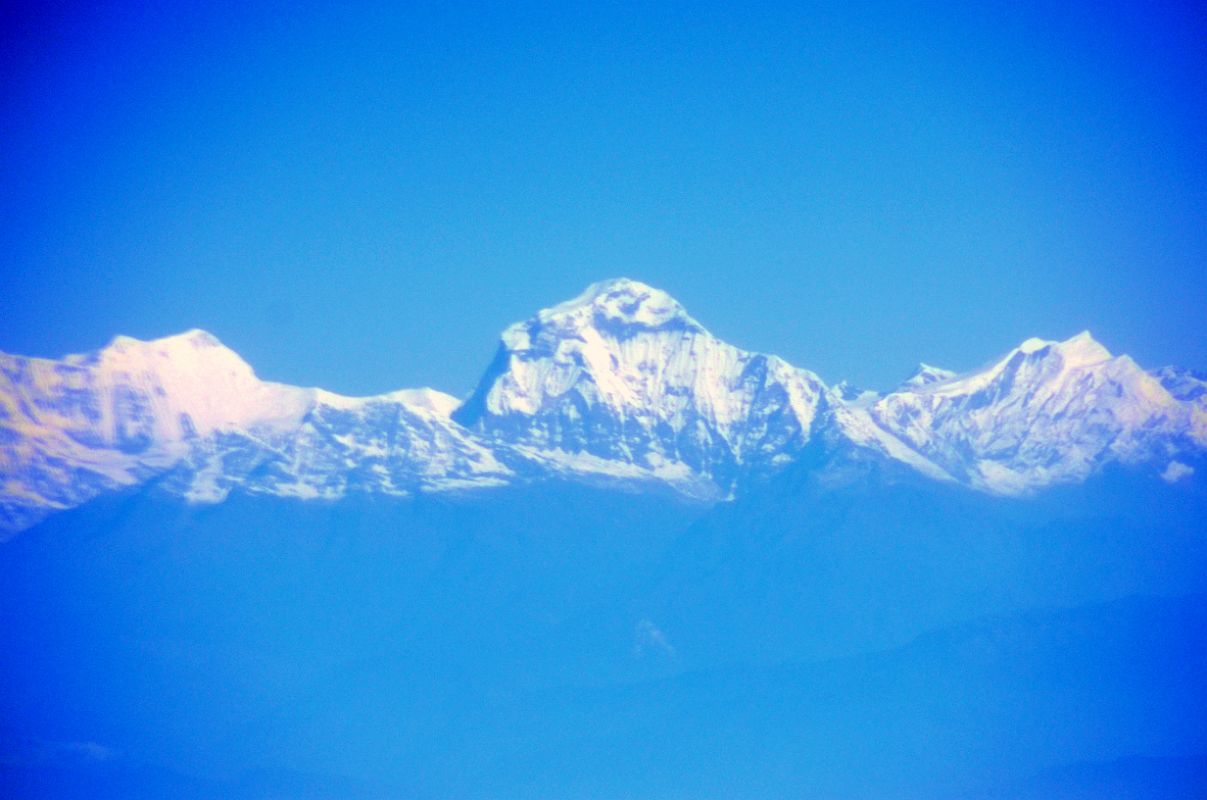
[892, 637]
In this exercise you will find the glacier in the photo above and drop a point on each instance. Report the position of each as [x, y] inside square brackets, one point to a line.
[619, 386]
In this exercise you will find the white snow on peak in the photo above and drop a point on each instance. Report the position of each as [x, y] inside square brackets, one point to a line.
[429, 400]
[926, 375]
[1047, 412]
[195, 385]
[1080, 349]
[1033, 356]
[619, 304]
[1033, 344]
[1077, 350]
[622, 372]
[189, 406]
[145, 395]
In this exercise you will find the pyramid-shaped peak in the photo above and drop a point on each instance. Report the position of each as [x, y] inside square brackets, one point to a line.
[925, 375]
[1084, 348]
[621, 304]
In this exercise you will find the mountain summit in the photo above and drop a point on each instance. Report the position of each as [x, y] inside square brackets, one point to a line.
[622, 375]
[618, 385]
[621, 306]
[1046, 412]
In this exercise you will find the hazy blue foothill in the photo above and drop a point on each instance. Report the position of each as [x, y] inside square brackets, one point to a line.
[891, 637]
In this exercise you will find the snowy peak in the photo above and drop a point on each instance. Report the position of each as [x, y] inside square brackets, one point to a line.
[925, 375]
[195, 385]
[193, 339]
[623, 373]
[1082, 350]
[135, 394]
[96, 422]
[427, 400]
[190, 410]
[1032, 362]
[1046, 412]
[192, 351]
[1078, 351]
[618, 307]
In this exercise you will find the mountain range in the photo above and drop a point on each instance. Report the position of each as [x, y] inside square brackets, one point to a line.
[635, 561]
[618, 387]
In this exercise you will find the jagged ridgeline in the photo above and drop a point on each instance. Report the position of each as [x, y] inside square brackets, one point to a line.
[618, 386]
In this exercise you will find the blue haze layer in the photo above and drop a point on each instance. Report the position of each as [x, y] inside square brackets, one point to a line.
[887, 639]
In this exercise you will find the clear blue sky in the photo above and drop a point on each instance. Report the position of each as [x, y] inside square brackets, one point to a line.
[362, 197]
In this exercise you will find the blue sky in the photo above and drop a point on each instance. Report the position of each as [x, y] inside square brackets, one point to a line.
[362, 197]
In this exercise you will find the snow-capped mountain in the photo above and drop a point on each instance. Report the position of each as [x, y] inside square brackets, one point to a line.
[1047, 412]
[189, 411]
[619, 385]
[622, 374]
